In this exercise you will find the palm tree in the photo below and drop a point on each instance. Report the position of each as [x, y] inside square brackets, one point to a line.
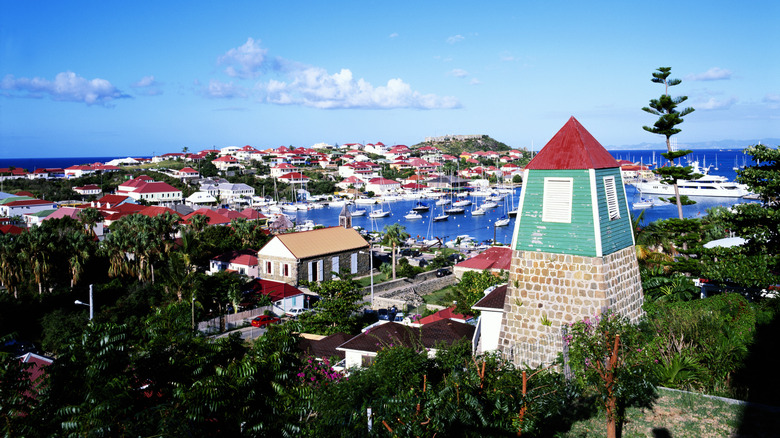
[199, 222]
[36, 250]
[78, 246]
[117, 247]
[10, 274]
[89, 217]
[394, 235]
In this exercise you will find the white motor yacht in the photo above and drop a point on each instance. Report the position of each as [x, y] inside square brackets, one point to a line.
[707, 185]
[412, 215]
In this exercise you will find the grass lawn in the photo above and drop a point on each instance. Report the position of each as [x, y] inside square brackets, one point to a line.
[678, 415]
[378, 278]
[440, 297]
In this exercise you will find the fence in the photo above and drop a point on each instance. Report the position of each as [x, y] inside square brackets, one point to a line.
[232, 320]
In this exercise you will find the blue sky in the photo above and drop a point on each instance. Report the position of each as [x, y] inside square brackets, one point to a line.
[136, 78]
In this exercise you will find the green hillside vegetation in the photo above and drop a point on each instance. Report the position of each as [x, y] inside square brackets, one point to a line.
[456, 147]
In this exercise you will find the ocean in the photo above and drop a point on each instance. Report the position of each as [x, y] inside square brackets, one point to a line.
[480, 227]
[51, 163]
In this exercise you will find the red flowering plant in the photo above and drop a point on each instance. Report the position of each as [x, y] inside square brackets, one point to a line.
[316, 373]
[609, 356]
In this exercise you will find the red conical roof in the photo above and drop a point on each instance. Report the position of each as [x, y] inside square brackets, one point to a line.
[573, 147]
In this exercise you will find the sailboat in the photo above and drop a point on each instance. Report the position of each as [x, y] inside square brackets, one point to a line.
[358, 212]
[513, 211]
[504, 221]
[454, 209]
[716, 163]
[421, 207]
[379, 212]
[441, 217]
[477, 211]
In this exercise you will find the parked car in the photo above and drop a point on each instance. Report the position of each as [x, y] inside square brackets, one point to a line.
[295, 312]
[382, 314]
[264, 320]
[441, 272]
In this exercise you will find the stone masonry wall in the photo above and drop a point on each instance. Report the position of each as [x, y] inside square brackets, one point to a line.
[547, 291]
[406, 291]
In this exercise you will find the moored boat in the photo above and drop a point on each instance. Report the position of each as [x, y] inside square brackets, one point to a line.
[412, 215]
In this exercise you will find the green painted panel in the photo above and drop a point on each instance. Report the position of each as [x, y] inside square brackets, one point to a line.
[577, 237]
[615, 234]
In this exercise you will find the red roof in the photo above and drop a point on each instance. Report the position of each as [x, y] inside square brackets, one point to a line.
[157, 187]
[383, 181]
[274, 289]
[294, 175]
[10, 229]
[113, 199]
[573, 147]
[252, 214]
[226, 159]
[448, 313]
[495, 258]
[153, 211]
[29, 202]
[214, 217]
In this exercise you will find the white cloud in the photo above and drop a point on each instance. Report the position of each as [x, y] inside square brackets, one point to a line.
[66, 86]
[459, 73]
[713, 74]
[148, 86]
[295, 83]
[505, 56]
[475, 81]
[222, 90]
[314, 87]
[393, 35]
[455, 39]
[246, 61]
[715, 104]
[772, 98]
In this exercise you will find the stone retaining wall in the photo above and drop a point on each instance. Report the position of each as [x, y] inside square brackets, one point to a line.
[403, 292]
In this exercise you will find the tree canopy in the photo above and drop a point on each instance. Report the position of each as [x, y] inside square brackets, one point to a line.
[665, 107]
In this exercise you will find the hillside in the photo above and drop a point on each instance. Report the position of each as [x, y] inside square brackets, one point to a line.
[455, 146]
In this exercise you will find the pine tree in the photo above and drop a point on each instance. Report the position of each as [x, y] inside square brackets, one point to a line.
[666, 108]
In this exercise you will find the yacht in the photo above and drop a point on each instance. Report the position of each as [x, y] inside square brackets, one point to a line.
[455, 210]
[642, 203]
[461, 203]
[441, 217]
[421, 207]
[478, 212]
[707, 185]
[412, 215]
[358, 212]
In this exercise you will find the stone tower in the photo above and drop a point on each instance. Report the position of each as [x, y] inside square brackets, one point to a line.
[572, 248]
[345, 217]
